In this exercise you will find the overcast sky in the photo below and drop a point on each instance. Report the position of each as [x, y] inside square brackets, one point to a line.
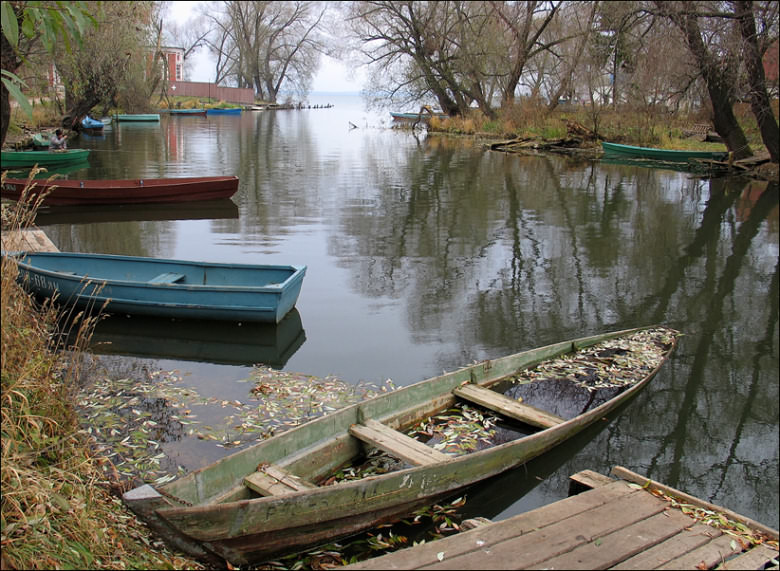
[331, 77]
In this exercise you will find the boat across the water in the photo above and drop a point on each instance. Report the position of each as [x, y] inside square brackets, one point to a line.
[669, 155]
[137, 117]
[224, 111]
[424, 116]
[173, 288]
[186, 111]
[128, 191]
[321, 480]
[26, 159]
[92, 124]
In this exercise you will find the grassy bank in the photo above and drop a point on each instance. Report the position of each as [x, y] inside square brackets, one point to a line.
[59, 510]
[629, 126]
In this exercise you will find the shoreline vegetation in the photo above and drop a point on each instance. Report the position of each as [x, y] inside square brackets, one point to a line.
[526, 127]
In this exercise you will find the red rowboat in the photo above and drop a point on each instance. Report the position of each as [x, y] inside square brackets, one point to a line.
[131, 191]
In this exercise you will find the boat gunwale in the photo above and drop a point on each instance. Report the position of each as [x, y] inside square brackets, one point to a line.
[124, 184]
[395, 480]
[296, 273]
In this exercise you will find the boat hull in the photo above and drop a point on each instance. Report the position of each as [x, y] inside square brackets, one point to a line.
[146, 286]
[195, 512]
[142, 117]
[669, 155]
[26, 159]
[130, 191]
[229, 111]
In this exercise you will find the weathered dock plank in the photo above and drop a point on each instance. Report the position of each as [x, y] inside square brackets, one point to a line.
[27, 240]
[614, 525]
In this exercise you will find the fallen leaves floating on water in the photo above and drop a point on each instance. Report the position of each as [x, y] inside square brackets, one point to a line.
[132, 420]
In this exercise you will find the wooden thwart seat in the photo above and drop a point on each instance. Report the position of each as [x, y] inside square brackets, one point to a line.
[272, 480]
[507, 406]
[404, 447]
[167, 278]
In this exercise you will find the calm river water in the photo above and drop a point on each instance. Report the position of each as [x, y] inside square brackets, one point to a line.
[426, 253]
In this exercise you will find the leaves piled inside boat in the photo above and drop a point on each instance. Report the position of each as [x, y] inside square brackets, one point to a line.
[616, 363]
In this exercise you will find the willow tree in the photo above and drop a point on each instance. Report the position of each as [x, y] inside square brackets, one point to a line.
[114, 62]
[28, 27]
[267, 45]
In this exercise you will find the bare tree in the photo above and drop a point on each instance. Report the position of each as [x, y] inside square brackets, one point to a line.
[266, 45]
[753, 50]
[524, 24]
[717, 59]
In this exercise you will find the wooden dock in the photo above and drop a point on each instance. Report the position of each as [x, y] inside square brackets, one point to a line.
[27, 240]
[625, 523]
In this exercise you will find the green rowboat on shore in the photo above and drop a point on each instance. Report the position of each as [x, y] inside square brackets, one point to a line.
[669, 155]
[24, 159]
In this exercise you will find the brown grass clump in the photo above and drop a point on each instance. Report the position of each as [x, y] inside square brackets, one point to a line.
[57, 510]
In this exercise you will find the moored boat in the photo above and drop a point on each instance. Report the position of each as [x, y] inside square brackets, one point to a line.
[416, 116]
[225, 111]
[669, 155]
[24, 159]
[135, 117]
[173, 288]
[283, 494]
[187, 111]
[128, 191]
[92, 124]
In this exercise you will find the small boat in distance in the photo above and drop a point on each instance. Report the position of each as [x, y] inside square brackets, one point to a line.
[89, 123]
[25, 159]
[670, 155]
[381, 459]
[169, 288]
[224, 111]
[134, 117]
[128, 191]
[417, 116]
[186, 111]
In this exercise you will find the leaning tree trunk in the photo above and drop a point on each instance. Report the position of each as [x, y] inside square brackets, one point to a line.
[759, 98]
[719, 88]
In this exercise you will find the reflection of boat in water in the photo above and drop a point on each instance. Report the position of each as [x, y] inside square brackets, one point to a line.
[219, 342]
[693, 166]
[199, 210]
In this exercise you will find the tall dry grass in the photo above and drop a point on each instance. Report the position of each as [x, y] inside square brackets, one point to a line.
[58, 511]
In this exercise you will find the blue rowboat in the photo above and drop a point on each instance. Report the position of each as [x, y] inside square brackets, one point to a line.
[228, 111]
[126, 118]
[169, 288]
[670, 155]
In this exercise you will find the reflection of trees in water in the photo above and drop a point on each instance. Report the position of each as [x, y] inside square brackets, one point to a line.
[516, 252]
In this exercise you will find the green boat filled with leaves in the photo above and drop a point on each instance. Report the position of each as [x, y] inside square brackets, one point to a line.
[319, 481]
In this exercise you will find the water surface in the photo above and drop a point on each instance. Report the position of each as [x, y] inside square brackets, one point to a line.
[427, 253]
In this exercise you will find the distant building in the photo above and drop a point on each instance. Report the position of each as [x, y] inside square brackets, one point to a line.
[174, 63]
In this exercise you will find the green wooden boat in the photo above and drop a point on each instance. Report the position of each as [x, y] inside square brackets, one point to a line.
[669, 155]
[144, 117]
[280, 496]
[23, 159]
